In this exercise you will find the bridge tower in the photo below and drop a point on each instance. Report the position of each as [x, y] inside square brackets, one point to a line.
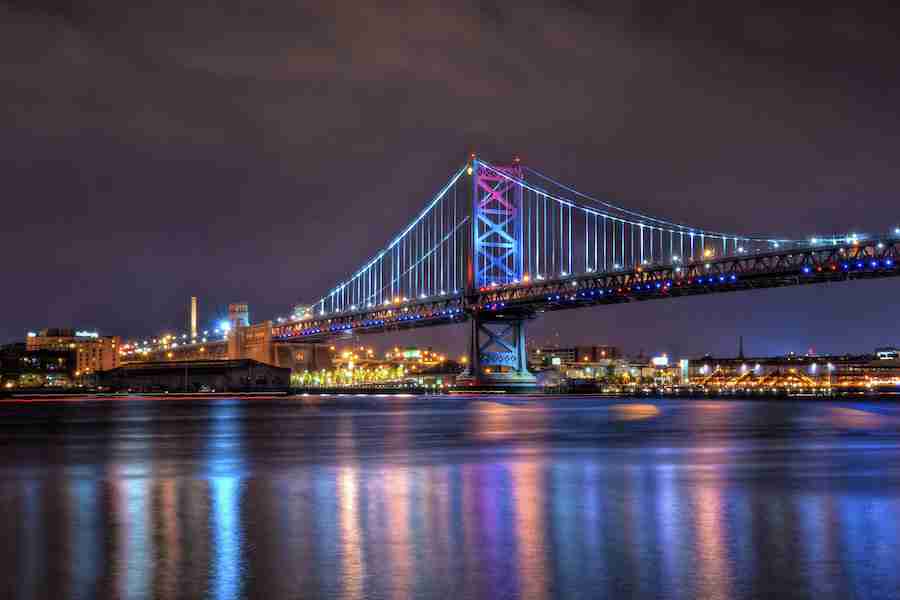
[497, 355]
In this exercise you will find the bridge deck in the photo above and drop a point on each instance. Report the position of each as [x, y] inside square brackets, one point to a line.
[872, 258]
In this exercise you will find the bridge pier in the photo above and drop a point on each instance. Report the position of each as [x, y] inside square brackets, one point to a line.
[498, 360]
[302, 356]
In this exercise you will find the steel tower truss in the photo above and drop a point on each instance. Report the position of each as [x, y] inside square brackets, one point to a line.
[497, 353]
[497, 225]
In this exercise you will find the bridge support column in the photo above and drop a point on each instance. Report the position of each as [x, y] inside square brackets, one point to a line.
[316, 356]
[498, 360]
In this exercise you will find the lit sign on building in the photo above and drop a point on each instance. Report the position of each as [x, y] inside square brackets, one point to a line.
[87, 334]
[887, 353]
[660, 361]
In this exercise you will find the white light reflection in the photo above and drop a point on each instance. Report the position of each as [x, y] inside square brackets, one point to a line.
[226, 534]
[135, 543]
[225, 488]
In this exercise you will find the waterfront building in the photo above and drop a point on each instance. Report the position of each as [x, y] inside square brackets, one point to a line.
[570, 356]
[92, 351]
[241, 375]
[887, 353]
[877, 371]
[412, 355]
[23, 368]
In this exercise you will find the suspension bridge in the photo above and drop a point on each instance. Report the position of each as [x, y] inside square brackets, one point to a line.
[500, 244]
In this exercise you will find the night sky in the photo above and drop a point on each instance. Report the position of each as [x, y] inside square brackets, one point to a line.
[259, 151]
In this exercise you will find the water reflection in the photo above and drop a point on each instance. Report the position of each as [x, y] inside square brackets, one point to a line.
[353, 568]
[83, 499]
[855, 418]
[492, 420]
[634, 412]
[226, 457]
[28, 559]
[169, 556]
[712, 553]
[353, 563]
[531, 546]
[135, 571]
[485, 499]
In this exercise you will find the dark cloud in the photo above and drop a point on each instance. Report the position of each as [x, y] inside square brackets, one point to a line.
[260, 151]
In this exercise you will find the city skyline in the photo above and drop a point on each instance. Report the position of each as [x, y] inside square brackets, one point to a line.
[158, 189]
[545, 332]
[535, 300]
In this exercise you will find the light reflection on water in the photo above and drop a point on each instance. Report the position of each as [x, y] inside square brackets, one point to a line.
[855, 418]
[225, 489]
[450, 497]
[634, 412]
[135, 541]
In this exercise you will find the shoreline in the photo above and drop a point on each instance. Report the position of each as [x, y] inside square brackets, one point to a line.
[49, 397]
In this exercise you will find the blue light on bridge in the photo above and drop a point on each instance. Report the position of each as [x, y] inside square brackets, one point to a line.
[525, 262]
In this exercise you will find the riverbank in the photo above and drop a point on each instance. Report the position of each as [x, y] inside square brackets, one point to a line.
[78, 396]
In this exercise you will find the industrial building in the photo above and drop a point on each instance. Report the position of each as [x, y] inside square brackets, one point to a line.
[234, 339]
[242, 375]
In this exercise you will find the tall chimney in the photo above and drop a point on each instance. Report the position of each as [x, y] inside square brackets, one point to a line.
[193, 317]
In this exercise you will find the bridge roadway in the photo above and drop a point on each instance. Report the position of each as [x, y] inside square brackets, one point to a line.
[863, 259]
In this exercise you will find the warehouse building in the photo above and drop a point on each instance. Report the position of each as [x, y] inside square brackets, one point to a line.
[243, 375]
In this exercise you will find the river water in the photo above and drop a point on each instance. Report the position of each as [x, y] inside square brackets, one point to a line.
[449, 497]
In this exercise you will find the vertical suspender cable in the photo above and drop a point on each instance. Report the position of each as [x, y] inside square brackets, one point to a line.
[570, 240]
[587, 238]
[604, 244]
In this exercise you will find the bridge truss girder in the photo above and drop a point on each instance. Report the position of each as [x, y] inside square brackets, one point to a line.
[756, 271]
[870, 259]
[441, 311]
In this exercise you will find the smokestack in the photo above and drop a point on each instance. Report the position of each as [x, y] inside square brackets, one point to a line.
[193, 317]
